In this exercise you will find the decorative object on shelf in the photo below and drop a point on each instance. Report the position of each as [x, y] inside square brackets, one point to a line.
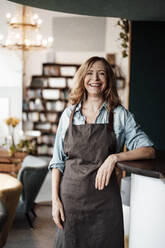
[111, 58]
[23, 32]
[120, 82]
[124, 36]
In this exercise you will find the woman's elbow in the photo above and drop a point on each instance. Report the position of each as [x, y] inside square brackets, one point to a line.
[151, 153]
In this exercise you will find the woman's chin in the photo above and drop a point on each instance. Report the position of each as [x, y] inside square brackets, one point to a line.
[95, 94]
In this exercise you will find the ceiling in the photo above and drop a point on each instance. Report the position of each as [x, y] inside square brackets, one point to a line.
[137, 10]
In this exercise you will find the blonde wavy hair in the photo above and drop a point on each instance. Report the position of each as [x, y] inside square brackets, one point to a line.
[78, 92]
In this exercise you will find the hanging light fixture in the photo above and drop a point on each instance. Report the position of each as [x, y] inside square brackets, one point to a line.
[23, 32]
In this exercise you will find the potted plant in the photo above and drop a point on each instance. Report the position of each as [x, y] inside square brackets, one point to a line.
[24, 146]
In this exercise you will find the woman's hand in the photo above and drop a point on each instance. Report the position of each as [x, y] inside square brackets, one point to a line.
[104, 172]
[58, 213]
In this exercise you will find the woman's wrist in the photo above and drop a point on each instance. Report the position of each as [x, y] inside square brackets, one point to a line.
[113, 158]
[56, 198]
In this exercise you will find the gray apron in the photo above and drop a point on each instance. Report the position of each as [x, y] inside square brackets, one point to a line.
[93, 218]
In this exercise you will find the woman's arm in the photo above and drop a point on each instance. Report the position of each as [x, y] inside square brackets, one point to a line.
[105, 170]
[57, 207]
[139, 153]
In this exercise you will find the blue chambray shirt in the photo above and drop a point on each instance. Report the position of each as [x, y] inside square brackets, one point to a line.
[126, 129]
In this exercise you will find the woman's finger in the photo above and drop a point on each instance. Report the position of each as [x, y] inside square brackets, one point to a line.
[57, 220]
[58, 223]
[103, 179]
[100, 180]
[107, 178]
[100, 175]
[97, 180]
[62, 214]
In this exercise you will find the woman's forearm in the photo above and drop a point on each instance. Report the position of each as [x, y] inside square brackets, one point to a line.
[137, 154]
[56, 178]
[105, 170]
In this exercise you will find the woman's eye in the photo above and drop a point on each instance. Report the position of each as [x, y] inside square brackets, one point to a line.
[89, 73]
[102, 73]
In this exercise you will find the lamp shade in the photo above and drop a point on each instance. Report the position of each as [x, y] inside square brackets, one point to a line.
[135, 10]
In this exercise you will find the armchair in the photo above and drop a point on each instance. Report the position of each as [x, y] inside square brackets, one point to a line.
[10, 190]
[31, 175]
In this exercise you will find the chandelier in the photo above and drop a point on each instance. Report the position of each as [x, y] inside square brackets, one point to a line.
[23, 32]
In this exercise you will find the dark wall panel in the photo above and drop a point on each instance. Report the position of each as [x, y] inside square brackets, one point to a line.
[147, 88]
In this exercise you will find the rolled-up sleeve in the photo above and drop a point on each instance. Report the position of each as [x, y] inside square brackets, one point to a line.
[134, 136]
[59, 156]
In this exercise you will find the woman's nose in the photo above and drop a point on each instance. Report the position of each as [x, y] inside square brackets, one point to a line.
[95, 76]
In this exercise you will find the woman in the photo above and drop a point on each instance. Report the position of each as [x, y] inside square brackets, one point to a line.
[86, 202]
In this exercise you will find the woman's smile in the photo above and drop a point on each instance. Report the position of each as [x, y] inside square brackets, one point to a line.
[95, 84]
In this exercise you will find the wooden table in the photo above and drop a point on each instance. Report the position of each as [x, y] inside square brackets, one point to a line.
[11, 164]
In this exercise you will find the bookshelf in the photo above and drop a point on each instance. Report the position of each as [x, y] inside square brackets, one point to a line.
[46, 98]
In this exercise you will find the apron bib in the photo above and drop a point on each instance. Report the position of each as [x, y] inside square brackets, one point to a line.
[93, 218]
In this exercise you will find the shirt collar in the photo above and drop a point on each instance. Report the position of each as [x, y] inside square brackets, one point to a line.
[104, 105]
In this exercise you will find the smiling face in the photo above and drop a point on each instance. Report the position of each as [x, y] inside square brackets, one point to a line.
[95, 81]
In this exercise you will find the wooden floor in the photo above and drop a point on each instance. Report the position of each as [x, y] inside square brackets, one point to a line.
[126, 242]
[42, 236]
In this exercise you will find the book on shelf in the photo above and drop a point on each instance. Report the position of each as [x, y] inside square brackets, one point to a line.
[52, 117]
[51, 70]
[38, 104]
[43, 117]
[50, 106]
[34, 116]
[33, 93]
[59, 106]
[54, 128]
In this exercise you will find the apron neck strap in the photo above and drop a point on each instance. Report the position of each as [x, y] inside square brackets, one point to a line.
[72, 113]
[111, 121]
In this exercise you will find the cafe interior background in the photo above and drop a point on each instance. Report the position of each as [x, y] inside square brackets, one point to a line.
[68, 40]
